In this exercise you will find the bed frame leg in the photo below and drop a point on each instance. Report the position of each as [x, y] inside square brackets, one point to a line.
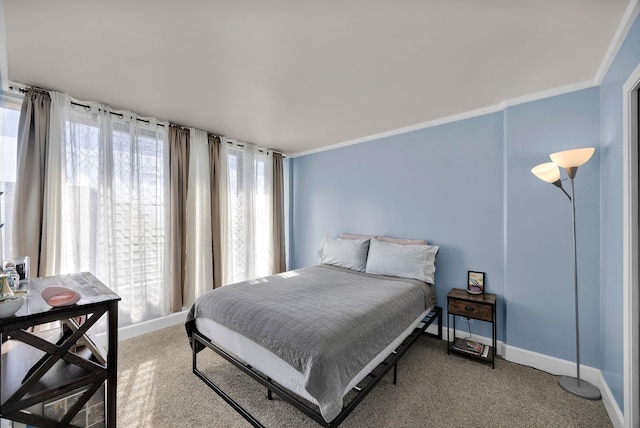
[395, 373]
[269, 393]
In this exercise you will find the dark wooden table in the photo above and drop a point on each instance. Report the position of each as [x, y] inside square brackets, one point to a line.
[475, 306]
[34, 369]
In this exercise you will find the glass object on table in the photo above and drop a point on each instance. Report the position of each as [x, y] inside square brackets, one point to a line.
[13, 277]
[19, 265]
[5, 290]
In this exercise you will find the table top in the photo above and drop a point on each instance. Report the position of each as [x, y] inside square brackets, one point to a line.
[91, 289]
[458, 293]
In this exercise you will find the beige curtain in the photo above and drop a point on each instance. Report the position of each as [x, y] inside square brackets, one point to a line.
[199, 279]
[29, 217]
[216, 244]
[178, 186]
[279, 257]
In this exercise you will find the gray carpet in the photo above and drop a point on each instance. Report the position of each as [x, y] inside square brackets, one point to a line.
[156, 388]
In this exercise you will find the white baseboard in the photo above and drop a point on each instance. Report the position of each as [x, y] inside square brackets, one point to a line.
[556, 366]
[152, 325]
[480, 339]
[552, 365]
[145, 327]
[615, 414]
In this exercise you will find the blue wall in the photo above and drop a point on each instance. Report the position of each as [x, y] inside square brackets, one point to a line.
[611, 123]
[447, 184]
[443, 184]
[539, 291]
[467, 187]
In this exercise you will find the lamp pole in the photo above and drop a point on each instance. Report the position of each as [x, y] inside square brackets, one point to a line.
[576, 385]
[570, 160]
[575, 277]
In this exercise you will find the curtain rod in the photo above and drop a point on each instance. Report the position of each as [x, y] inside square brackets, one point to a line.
[175, 125]
[260, 150]
[88, 107]
[120, 115]
[209, 134]
[24, 90]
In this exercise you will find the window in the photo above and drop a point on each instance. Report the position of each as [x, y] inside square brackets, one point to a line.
[9, 119]
[114, 207]
[248, 174]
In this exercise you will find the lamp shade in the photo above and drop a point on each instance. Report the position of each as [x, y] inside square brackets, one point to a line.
[572, 158]
[547, 171]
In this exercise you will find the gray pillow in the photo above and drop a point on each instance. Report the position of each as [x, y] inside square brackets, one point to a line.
[404, 261]
[346, 253]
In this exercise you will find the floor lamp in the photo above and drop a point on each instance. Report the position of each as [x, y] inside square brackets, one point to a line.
[570, 160]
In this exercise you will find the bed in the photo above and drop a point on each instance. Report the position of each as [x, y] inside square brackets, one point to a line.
[312, 335]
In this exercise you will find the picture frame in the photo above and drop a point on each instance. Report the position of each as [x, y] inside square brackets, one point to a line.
[475, 282]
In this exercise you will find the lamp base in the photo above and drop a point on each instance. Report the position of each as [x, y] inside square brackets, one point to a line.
[584, 389]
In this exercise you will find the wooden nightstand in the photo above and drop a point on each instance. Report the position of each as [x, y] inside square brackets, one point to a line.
[478, 307]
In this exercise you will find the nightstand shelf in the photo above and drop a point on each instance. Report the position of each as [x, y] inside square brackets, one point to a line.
[480, 307]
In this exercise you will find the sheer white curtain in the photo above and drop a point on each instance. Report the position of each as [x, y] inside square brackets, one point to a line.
[246, 177]
[112, 200]
[199, 278]
[9, 119]
[53, 183]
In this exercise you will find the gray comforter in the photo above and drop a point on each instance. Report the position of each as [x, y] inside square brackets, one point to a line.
[326, 322]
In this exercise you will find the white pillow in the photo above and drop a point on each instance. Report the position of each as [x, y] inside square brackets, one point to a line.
[404, 261]
[346, 253]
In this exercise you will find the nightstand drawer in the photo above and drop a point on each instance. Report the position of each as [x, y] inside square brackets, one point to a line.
[470, 309]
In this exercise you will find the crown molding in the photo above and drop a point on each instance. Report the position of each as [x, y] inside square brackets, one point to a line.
[626, 22]
[454, 118]
[457, 117]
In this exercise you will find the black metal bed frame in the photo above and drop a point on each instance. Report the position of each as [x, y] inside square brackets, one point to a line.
[361, 392]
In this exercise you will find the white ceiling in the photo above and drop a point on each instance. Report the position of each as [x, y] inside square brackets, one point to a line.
[297, 75]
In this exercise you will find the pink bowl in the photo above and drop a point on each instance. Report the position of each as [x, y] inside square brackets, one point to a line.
[60, 296]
